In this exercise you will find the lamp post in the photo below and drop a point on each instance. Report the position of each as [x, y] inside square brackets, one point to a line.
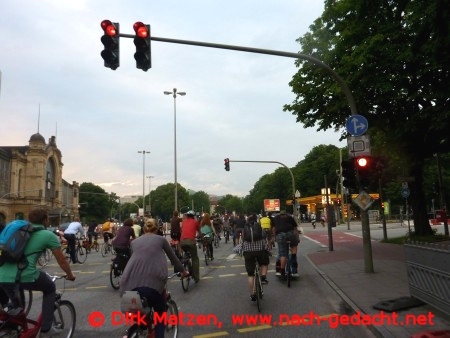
[150, 194]
[175, 93]
[143, 152]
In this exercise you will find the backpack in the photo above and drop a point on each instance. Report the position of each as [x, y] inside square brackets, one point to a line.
[253, 232]
[13, 240]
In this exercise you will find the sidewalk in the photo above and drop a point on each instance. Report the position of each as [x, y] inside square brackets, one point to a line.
[344, 269]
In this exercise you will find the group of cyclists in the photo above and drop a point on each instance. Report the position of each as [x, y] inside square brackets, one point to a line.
[147, 270]
[281, 228]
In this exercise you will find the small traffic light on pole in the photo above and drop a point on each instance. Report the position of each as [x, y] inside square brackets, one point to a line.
[110, 40]
[349, 173]
[143, 48]
[227, 164]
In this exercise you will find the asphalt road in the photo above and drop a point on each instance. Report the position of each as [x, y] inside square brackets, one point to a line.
[220, 299]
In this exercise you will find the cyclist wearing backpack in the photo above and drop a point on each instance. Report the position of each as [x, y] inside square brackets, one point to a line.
[32, 278]
[285, 229]
[254, 246]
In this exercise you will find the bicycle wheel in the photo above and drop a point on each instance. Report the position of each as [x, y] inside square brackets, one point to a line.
[105, 250]
[288, 274]
[96, 246]
[172, 312]
[135, 331]
[114, 277]
[206, 254]
[258, 291]
[66, 252]
[186, 280]
[65, 318]
[81, 255]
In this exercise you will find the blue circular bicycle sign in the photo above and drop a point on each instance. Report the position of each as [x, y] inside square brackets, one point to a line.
[356, 125]
[405, 192]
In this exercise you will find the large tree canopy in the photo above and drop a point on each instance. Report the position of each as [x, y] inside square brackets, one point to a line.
[394, 56]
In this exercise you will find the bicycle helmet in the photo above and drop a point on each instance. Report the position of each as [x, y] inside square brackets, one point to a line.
[191, 212]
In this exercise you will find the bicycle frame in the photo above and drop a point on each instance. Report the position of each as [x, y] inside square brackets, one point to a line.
[29, 328]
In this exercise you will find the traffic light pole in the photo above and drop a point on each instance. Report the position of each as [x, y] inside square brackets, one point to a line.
[292, 178]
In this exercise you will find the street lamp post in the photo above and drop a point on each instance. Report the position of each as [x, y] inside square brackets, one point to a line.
[175, 93]
[143, 152]
[150, 194]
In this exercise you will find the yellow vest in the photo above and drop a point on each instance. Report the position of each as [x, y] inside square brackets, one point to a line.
[265, 222]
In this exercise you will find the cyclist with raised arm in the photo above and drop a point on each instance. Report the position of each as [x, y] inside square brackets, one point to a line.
[256, 249]
[149, 276]
[285, 229]
[32, 278]
[190, 231]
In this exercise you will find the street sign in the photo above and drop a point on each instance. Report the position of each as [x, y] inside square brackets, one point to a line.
[356, 125]
[358, 146]
[405, 192]
[363, 200]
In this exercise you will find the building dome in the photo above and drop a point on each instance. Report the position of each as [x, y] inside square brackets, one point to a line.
[37, 138]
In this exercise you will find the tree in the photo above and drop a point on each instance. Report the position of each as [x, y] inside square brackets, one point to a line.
[394, 55]
[95, 203]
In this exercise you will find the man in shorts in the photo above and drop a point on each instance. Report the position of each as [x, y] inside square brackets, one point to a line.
[285, 229]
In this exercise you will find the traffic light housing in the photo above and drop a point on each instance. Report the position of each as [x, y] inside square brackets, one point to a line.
[227, 164]
[143, 47]
[110, 41]
[363, 166]
[349, 173]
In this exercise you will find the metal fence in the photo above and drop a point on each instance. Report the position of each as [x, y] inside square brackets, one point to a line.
[428, 268]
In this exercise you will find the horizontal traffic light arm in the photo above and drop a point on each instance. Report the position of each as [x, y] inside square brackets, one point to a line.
[317, 62]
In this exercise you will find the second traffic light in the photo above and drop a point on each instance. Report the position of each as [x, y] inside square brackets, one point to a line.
[349, 173]
[110, 40]
[227, 164]
[143, 47]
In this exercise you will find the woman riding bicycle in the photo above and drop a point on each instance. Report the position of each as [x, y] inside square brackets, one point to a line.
[147, 270]
[208, 232]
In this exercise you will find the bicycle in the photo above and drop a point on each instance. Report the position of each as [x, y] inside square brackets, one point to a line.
[175, 245]
[226, 234]
[89, 246]
[117, 267]
[80, 251]
[206, 241]
[133, 302]
[186, 260]
[257, 286]
[45, 257]
[216, 241]
[15, 322]
[107, 248]
[289, 268]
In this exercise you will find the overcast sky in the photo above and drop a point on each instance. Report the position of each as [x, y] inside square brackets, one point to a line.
[50, 58]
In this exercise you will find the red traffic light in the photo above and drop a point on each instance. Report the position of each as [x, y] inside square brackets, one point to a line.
[109, 28]
[141, 30]
[362, 162]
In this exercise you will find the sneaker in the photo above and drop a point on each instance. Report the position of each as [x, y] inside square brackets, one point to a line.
[264, 281]
[295, 274]
[278, 273]
[52, 332]
[253, 298]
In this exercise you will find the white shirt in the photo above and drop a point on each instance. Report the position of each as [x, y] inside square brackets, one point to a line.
[74, 228]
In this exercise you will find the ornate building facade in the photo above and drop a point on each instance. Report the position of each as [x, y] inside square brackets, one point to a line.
[31, 177]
